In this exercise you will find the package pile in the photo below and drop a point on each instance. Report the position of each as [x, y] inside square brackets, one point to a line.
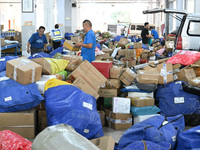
[149, 99]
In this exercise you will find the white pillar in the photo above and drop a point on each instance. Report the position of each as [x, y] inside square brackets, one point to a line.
[170, 18]
[61, 15]
[180, 5]
[48, 15]
[74, 18]
[196, 6]
[27, 31]
[68, 12]
[158, 19]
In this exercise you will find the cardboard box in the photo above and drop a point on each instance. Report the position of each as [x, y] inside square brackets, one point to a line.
[26, 71]
[118, 57]
[2, 27]
[18, 36]
[107, 50]
[74, 61]
[113, 83]
[76, 39]
[150, 68]
[169, 46]
[139, 94]
[185, 75]
[41, 106]
[107, 59]
[142, 101]
[109, 92]
[121, 52]
[104, 143]
[3, 42]
[89, 73]
[85, 87]
[195, 82]
[130, 53]
[106, 55]
[166, 73]
[128, 76]
[115, 72]
[144, 54]
[121, 105]
[42, 120]
[137, 45]
[129, 62]
[103, 117]
[148, 77]
[22, 123]
[122, 42]
[98, 57]
[118, 121]
[46, 67]
[70, 45]
[176, 66]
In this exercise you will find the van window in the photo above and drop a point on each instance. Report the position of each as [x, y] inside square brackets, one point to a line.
[132, 27]
[139, 27]
[194, 28]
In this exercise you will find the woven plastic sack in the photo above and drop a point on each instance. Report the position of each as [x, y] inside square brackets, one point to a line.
[185, 58]
[12, 141]
[57, 65]
[40, 55]
[57, 50]
[3, 61]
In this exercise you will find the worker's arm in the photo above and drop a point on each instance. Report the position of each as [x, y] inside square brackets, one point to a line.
[89, 45]
[28, 47]
[45, 46]
[149, 36]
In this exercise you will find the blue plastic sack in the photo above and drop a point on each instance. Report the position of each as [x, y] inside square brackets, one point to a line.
[138, 39]
[17, 97]
[144, 46]
[57, 50]
[3, 61]
[68, 104]
[149, 110]
[155, 129]
[117, 38]
[49, 48]
[40, 55]
[173, 100]
[99, 46]
[189, 139]
[140, 145]
[131, 47]
[68, 35]
[62, 42]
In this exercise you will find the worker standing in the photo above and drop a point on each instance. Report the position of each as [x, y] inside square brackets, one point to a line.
[89, 44]
[154, 33]
[123, 30]
[38, 42]
[145, 34]
[56, 36]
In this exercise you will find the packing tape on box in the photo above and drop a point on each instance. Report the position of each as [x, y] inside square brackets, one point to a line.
[164, 73]
[26, 63]
[117, 121]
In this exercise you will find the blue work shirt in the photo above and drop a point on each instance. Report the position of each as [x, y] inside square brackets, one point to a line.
[155, 34]
[36, 41]
[89, 53]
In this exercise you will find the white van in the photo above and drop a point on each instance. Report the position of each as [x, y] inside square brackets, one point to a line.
[136, 29]
[188, 36]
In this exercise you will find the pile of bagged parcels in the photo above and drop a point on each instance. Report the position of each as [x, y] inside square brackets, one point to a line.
[126, 87]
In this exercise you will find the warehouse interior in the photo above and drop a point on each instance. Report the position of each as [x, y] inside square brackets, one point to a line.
[100, 74]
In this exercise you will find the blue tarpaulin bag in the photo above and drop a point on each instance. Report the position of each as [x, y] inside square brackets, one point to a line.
[148, 110]
[148, 145]
[68, 104]
[117, 38]
[99, 46]
[62, 42]
[49, 48]
[173, 100]
[138, 39]
[155, 129]
[57, 50]
[68, 35]
[40, 55]
[189, 139]
[17, 97]
[144, 46]
[3, 61]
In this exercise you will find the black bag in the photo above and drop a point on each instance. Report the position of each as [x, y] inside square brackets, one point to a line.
[192, 120]
[191, 89]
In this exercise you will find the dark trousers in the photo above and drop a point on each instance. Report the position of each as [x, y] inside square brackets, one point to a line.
[56, 44]
[36, 50]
